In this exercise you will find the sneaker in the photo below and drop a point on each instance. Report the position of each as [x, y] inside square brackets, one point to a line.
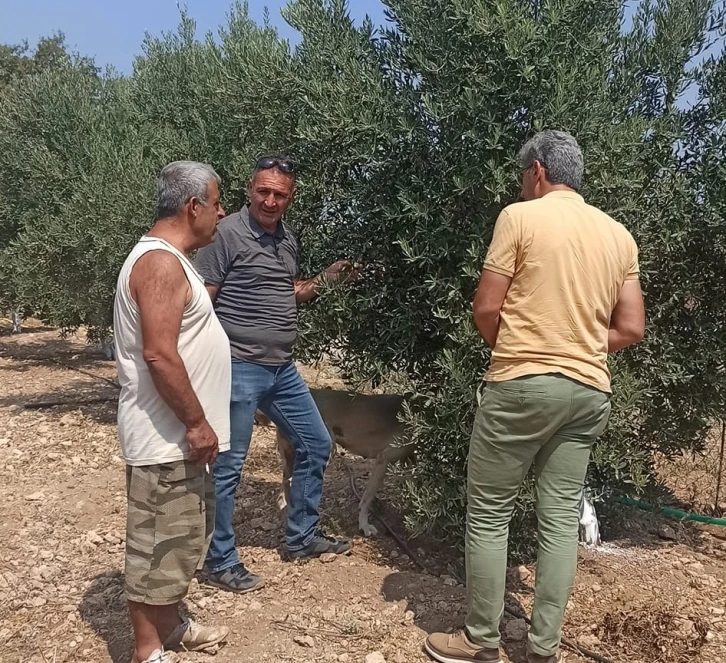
[158, 656]
[457, 648]
[191, 636]
[236, 579]
[538, 658]
[320, 544]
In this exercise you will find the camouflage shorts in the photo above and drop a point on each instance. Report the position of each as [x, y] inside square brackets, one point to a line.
[169, 525]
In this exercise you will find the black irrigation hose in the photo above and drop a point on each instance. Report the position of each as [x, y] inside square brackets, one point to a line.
[420, 565]
[41, 405]
[95, 376]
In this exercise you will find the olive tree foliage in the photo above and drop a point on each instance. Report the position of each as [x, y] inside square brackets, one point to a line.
[18, 61]
[406, 139]
[229, 96]
[18, 64]
[77, 176]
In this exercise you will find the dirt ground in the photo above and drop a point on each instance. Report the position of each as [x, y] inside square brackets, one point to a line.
[653, 592]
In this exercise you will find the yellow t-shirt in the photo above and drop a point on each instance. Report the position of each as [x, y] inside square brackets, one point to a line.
[568, 262]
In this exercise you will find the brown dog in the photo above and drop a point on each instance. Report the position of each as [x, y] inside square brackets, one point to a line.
[364, 425]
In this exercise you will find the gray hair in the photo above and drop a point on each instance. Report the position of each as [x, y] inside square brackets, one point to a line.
[178, 182]
[559, 154]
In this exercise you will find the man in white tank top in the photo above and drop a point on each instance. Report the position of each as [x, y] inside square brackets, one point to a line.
[173, 362]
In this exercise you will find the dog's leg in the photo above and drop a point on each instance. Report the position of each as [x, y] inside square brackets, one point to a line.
[261, 419]
[108, 348]
[374, 483]
[287, 457]
[17, 322]
[589, 526]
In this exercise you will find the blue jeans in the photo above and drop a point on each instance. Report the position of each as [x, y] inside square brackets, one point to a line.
[281, 393]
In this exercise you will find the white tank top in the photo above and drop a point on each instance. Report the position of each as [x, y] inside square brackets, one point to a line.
[149, 431]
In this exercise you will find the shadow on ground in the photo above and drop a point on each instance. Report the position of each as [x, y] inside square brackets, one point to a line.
[103, 608]
[438, 608]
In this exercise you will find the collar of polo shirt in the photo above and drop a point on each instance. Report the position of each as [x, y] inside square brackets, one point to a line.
[258, 231]
[562, 193]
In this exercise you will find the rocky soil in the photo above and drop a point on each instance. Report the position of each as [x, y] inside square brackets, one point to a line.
[653, 592]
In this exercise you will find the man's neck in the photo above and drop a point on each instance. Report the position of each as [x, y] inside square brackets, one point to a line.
[546, 188]
[269, 228]
[170, 231]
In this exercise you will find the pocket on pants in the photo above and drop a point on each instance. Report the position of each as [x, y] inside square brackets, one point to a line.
[606, 408]
[523, 387]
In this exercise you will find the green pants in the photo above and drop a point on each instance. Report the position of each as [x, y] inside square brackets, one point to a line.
[551, 421]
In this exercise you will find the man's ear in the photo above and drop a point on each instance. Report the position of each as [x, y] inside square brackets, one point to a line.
[540, 174]
[293, 194]
[194, 205]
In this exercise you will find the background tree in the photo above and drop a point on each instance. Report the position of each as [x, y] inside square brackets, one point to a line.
[18, 61]
[19, 65]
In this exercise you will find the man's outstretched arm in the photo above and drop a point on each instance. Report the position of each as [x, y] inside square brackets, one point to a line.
[342, 271]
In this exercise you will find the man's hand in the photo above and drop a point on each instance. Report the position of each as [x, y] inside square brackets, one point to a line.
[203, 443]
[343, 271]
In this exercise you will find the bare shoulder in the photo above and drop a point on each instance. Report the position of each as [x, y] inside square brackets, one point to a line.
[158, 272]
[158, 264]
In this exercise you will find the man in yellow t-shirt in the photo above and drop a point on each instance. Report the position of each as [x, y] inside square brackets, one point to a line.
[558, 292]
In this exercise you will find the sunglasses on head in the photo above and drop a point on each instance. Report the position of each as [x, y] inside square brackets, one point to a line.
[284, 165]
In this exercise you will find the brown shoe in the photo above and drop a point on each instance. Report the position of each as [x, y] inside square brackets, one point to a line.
[457, 648]
[158, 656]
[190, 636]
[538, 658]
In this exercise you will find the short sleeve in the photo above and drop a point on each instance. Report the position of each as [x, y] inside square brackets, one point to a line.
[504, 248]
[633, 273]
[213, 261]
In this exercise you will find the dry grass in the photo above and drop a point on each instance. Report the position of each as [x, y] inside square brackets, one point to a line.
[654, 634]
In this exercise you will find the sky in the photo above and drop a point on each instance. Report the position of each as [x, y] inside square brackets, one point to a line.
[112, 30]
